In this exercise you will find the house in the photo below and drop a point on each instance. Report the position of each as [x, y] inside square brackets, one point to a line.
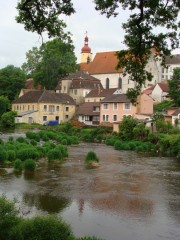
[78, 85]
[89, 113]
[115, 107]
[171, 63]
[29, 86]
[42, 105]
[160, 91]
[176, 117]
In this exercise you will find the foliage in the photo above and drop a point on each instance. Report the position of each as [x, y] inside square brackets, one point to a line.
[53, 60]
[174, 87]
[126, 128]
[11, 155]
[163, 126]
[43, 16]
[161, 107]
[54, 154]
[29, 164]
[8, 218]
[140, 131]
[91, 157]
[18, 165]
[12, 79]
[7, 119]
[4, 104]
[27, 153]
[3, 155]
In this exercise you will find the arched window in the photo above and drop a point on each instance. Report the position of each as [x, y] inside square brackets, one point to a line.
[107, 83]
[120, 83]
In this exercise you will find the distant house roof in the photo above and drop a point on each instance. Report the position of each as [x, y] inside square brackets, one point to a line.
[149, 90]
[164, 87]
[104, 62]
[175, 59]
[87, 109]
[45, 96]
[118, 98]
[100, 92]
[176, 112]
[79, 76]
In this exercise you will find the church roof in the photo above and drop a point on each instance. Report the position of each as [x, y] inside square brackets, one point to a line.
[104, 62]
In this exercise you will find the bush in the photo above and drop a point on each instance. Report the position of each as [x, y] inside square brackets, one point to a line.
[21, 140]
[54, 154]
[28, 153]
[91, 157]
[7, 119]
[11, 155]
[29, 164]
[18, 165]
[8, 218]
[33, 135]
[3, 155]
[44, 228]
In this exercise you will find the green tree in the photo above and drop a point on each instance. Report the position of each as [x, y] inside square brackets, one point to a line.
[4, 104]
[161, 107]
[52, 61]
[12, 79]
[8, 218]
[140, 36]
[174, 87]
[7, 119]
[126, 128]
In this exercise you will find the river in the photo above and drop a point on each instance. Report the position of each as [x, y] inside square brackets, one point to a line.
[128, 197]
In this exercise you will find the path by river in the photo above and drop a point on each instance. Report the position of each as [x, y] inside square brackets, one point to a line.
[129, 197]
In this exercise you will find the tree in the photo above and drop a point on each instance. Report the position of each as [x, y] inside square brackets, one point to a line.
[140, 38]
[174, 87]
[40, 16]
[7, 119]
[4, 104]
[12, 79]
[126, 128]
[53, 60]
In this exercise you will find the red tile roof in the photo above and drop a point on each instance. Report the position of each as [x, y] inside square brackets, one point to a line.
[104, 62]
[117, 98]
[164, 87]
[87, 109]
[100, 92]
[45, 96]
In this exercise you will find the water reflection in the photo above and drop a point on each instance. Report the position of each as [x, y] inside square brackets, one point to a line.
[47, 203]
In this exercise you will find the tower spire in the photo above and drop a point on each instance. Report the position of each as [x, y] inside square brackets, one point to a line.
[86, 55]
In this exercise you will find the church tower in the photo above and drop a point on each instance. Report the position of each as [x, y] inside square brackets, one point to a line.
[86, 55]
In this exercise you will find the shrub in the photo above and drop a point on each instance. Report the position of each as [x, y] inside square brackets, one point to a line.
[44, 228]
[8, 218]
[33, 142]
[18, 165]
[33, 135]
[118, 145]
[54, 154]
[63, 149]
[21, 140]
[91, 156]
[11, 155]
[27, 153]
[64, 142]
[3, 155]
[29, 164]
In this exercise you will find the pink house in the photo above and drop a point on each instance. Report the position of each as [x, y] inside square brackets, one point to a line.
[114, 107]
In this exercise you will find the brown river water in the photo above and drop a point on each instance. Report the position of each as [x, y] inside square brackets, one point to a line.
[128, 197]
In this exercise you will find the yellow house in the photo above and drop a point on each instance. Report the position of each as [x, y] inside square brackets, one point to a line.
[42, 105]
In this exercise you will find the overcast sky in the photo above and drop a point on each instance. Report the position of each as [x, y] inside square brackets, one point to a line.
[104, 34]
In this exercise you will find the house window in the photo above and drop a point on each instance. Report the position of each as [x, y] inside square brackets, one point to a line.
[17, 107]
[32, 107]
[105, 118]
[45, 108]
[57, 108]
[120, 83]
[51, 108]
[44, 118]
[82, 118]
[105, 106]
[107, 83]
[127, 106]
[114, 118]
[115, 106]
[66, 116]
[64, 88]
[67, 109]
[75, 91]
[28, 107]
